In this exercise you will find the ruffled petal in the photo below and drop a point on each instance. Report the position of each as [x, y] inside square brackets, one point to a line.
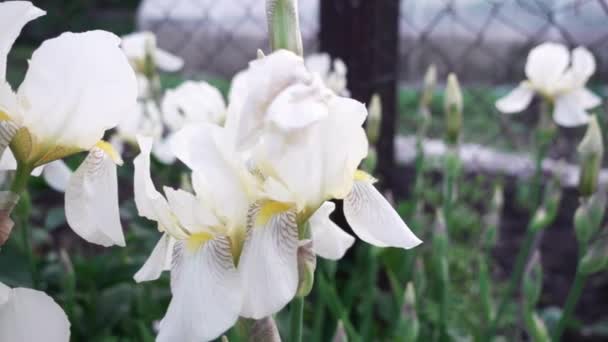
[268, 262]
[328, 240]
[374, 220]
[517, 100]
[91, 201]
[57, 175]
[28, 315]
[13, 16]
[160, 260]
[266, 78]
[207, 295]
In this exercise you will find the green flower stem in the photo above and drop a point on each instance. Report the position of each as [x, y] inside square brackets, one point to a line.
[19, 187]
[573, 296]
[520, 263]
[370, 294]
[22, 175]
[296, 312]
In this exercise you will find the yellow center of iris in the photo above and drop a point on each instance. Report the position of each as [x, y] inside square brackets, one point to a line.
[195, 241]
[270, 209]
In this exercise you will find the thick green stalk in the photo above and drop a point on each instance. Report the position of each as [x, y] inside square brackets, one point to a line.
[520, 263]
[19, 187]
[297, 313]
[573, 295]
[544, 135]
[22, 175]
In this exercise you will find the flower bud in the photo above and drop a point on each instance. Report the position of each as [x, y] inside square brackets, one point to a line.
[591, 152]
[546, 213]
[307, 263]
[596, 257]
[588, 217]
[537, 329]
[453, 109]
[409, 301]
[374, 119]
[284, 25]
[430, 81]
[533, 281]
[409, 323]
[340, 335]
[492, 217]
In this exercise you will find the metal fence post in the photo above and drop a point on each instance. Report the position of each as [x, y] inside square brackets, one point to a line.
[365, 34]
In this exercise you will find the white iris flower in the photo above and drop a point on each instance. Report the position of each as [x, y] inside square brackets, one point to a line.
[77, 86]
[559, 77]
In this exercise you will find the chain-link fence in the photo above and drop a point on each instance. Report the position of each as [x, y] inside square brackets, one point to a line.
[484, 41]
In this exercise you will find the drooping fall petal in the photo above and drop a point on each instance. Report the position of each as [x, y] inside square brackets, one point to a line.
[328, 240]
[268, 262]
[207, 293]
[91, 201]
[159, 260]
[374, 220]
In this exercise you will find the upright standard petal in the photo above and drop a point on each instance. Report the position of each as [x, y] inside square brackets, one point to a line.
[333, 146]
[569, 110]
[28, 315]
[207, 294]
[266, 79]
[160, 260]
[77, 86]
[374, 220]
[517, 100]
[57, 175]
[328, 240]
[583, 65]
[219, 175]
[91, 201]
[546, 65]
[13, 16]
[268, 262]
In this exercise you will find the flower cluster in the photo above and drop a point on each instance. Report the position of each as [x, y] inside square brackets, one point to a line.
[263, 185]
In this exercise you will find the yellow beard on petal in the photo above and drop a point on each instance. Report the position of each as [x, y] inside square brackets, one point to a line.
[195, 241]
[364, 176]
[4, 116]
[270, 209]
[108, 149]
